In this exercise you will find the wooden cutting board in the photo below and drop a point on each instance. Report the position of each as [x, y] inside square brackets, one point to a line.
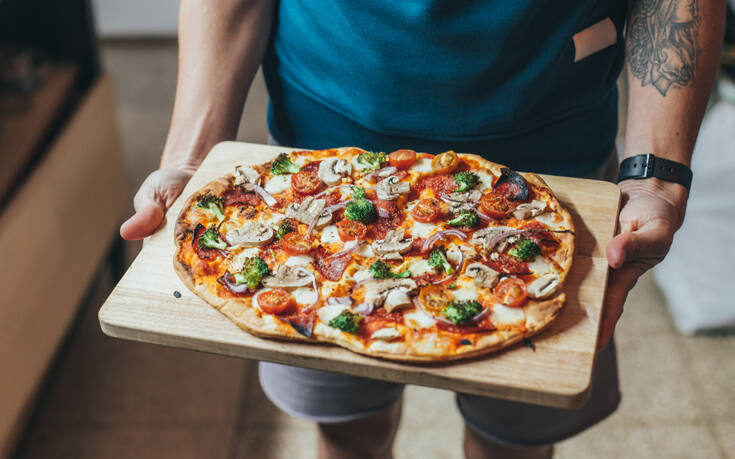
[557, 373]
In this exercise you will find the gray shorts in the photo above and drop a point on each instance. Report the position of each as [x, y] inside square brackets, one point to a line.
[326, 397]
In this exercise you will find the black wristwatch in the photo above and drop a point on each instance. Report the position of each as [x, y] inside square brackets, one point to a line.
[646, 166]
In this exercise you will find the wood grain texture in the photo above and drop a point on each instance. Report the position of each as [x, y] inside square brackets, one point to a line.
[143, 308]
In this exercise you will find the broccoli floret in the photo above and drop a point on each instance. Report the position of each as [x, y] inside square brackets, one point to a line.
[361, 210]
[346, 321]
[381, 270]
[210, 239]
[358, 192]
[467, 219]
[253, 271]
[212, 204]
[438, 261]
[466, 180]
[283, 228]
[461, 311]
[283, 165]
[525, 250]
[371, 160]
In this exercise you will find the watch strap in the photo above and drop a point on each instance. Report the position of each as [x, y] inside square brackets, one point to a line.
[648, 165]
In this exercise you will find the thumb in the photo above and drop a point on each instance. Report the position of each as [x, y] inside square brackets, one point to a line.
[649, 241]
[148, 215]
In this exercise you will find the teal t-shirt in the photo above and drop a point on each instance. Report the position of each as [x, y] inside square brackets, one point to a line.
[496, 78]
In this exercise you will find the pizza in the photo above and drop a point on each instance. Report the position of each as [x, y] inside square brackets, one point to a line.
[404, 256]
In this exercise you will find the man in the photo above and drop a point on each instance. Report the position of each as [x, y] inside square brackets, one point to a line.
[526, 83]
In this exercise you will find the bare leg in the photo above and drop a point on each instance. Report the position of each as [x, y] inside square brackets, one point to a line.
[476, 447]
[370, 437]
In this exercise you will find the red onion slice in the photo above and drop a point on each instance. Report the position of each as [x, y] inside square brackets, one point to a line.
[340, 300]
[504, 235]
[384, 172]
[269, 200]
[235, 288]
[224, 253]
[316, 289]
[355, 246]
[440, 281]
[383, 213]
[420, 306]
[431, 240]
[333, 207]
[483, 216]
[364, 308]
[481, 315]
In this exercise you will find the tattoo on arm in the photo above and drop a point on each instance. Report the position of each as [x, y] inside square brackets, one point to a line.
[662, 44]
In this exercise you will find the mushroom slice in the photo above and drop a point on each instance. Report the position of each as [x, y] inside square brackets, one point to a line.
[309, 209]
[386, 334]
[289, 277]
[463, 202]
[544, 286]
[377, 291]
[529, 209]
[251, 234]
[393, 245]
[246, 175]
[484, 236]
[485, 277]
[396, 299]
[390, 188]
[331, 170]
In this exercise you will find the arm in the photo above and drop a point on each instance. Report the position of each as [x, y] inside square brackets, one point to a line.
[673, 48]
[221, 45]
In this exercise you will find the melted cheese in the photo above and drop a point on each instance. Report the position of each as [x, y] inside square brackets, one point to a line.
[486, 180]
[362, 275]
[304, 295]
[552, 220]
[298, 260]
[422, 165]
[365, 250]
[419, 266]
[330, 311]
[466, 290]
[503, 315]
[423, 230]
[278, 184]
[330, 235]
[419, 320]
[270, 219]
[539, 265]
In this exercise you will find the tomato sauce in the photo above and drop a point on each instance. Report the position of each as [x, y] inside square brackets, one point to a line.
[379, 228]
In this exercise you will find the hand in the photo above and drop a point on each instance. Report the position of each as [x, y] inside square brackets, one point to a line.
[652, 211]
[158, 191]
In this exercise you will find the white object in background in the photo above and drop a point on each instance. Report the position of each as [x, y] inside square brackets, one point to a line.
[136, 18]
[698, 275]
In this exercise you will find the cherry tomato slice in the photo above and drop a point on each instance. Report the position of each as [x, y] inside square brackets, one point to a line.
[402, 159]
[306, 182]
[511, 291]
[434, 298]
[444, 163]
[350, 230]
[275, 301]
[495, 206]
[296, 244]
[426, 210]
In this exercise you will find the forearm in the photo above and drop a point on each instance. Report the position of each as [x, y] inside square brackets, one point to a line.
[673, 49]
[221, 45]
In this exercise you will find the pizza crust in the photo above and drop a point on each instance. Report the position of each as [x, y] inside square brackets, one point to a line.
[422, 346]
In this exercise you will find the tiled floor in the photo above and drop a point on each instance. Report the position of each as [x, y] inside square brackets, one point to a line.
[113, 399]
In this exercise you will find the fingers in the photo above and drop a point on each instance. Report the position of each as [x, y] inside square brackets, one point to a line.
[143, 223]
[620, 282]
[649, 241]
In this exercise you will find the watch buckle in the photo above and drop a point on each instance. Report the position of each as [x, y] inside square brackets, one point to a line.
[648, 165]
